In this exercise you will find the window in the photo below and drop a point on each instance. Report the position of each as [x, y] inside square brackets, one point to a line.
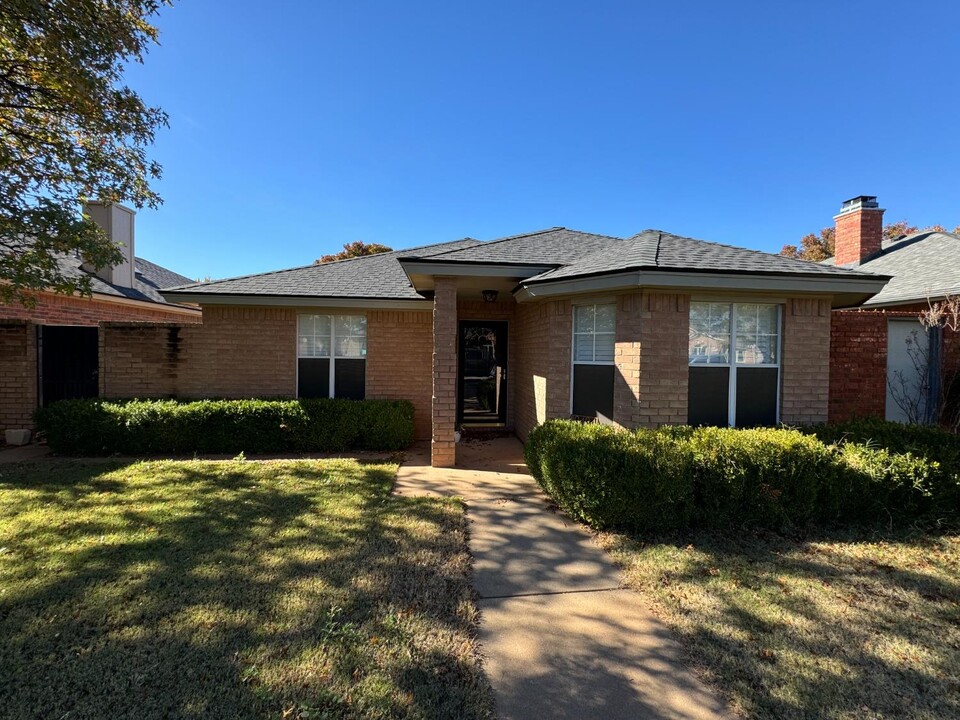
[594, 343]
[331, 356]
[744, 392]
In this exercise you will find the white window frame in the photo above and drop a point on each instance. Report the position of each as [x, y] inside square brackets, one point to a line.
[732, 355]
[332, 356]
[573, 342]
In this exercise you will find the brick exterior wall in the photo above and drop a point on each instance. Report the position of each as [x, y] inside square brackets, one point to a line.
[18, 374]
[859, 235]
[626, 382]
[443, 448]
[399, 361]
[664, 372]
[858, 365]
[237, 352]
[858, 360]
[529, 372]
[541, 372]
[18, 351]
[805, 365]
[54, 309]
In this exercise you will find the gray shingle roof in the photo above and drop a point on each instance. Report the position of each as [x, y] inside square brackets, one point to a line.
[654, 249]
[149, 279]
[554, 246]
[923, 265]
[377, 277]
[571, 253]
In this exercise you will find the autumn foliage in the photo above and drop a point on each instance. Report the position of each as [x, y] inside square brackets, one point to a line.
[358, 248]
[820, 246]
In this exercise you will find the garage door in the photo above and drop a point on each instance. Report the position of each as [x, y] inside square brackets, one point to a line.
[908, 348]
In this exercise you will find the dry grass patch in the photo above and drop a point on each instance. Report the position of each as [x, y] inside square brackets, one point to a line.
[832, 628]
[232, 589]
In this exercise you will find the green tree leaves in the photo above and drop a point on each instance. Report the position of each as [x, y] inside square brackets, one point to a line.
[70, 130]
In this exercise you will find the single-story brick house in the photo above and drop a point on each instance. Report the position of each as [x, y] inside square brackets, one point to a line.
[647, 330]
[874, 348]
[50, 351]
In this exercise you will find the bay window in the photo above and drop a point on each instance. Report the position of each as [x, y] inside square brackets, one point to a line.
[734, 358]
[331, 356]
[594, 343]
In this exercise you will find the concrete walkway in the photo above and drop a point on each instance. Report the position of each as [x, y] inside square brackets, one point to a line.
[560, 638]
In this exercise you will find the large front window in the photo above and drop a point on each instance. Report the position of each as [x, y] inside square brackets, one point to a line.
[331, 356]
[594, 343]
[734, 356]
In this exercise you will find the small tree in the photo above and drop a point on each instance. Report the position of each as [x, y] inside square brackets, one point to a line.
[937, 318]
[358, 248]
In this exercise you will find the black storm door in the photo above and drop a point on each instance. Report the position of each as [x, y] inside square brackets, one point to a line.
[482, 376]
[69, 363]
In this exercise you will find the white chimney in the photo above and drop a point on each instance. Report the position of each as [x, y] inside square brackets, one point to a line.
[118, 222]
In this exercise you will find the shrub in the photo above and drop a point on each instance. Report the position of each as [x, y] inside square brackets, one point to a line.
[655, 480]
[927, 442]
[759, 477]
[98, 427]
[612, 479]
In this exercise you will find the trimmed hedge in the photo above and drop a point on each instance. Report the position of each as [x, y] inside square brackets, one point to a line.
[718, 478]
[613, 479]
[926, 441]
[99, 427]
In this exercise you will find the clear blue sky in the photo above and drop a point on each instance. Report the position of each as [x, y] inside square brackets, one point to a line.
[299, 126]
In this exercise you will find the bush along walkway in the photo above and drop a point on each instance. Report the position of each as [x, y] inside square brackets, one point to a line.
[560, 639]
[810, 574]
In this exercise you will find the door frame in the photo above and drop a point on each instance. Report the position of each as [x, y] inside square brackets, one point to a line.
[502, 329]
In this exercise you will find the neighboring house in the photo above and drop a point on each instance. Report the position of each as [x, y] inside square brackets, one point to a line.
[511, 332]
[51, 351]
[878, 359]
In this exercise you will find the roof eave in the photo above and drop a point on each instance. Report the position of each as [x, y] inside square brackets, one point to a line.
[845, 289]
[298, 300]
[421, 271]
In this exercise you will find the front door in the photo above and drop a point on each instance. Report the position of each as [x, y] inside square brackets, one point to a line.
[482, 396]
[69, 360]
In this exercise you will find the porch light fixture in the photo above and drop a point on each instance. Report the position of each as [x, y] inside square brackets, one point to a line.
[489, 295]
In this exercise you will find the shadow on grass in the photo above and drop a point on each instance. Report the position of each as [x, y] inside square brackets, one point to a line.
[231, 590]
[842, 625]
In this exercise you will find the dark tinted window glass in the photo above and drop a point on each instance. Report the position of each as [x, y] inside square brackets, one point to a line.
[708, 401]
[593, 391]
[349, 378]
[314, 378]
[757, 396]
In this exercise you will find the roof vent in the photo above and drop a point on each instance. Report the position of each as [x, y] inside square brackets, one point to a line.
[859, 203]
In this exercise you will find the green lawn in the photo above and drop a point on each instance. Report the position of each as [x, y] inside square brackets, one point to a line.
[835, 628]
[295, 589]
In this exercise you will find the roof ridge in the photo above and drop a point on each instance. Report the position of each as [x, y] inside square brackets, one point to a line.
[510, 237]
[315, 264]
[539, 232]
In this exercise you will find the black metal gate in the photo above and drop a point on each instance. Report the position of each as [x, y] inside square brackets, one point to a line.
[69, 360]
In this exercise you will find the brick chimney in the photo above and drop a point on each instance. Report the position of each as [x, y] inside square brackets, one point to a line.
[859, 230]
[118, 222]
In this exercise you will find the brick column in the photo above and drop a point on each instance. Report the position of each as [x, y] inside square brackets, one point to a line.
[664, 370]
[805, 368]
[18, 374]
[559, 339]
[443, 449]
[626, 383]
